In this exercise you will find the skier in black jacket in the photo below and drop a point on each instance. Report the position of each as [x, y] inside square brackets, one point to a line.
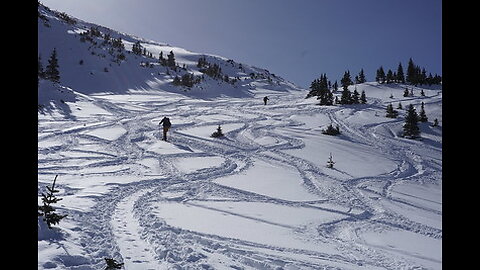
[265, 100]
[166, 125]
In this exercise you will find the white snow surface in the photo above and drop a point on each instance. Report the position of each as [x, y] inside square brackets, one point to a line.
[261, 197]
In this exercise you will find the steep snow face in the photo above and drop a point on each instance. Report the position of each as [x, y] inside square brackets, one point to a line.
[261, 197]
[96, 59]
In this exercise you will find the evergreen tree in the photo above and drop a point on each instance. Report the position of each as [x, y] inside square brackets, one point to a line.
[400, 74]
[355, 97]
[422, 117]
[346, 80]
[363, 97]
[218, 133]
[319, 87]
[137, 48]
[361, 77]
[46, 210]
[389, 77]
[400, 107]
[335, 86]
[171, 59]
[391, 113]
[406, 93]
[380, 77]
[346, 97]
[411, 72]
[410, 127]
[51, 72]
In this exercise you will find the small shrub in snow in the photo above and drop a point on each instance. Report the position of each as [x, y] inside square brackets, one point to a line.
[218, 133]
[391, 113]
[46, 210]
[331, 130]
[330, 162]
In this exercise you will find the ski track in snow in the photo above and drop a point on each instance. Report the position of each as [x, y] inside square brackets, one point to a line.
[124, 222]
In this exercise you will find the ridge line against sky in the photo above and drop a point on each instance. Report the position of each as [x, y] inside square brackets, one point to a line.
[297, 40]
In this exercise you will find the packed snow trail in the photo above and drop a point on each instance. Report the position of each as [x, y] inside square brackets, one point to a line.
[259, 198]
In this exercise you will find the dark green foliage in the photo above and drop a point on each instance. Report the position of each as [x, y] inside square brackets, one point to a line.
[51, 71]
[361, 77]
[400, 75]
[113, 264]
[410, 128]
[46, 210]
[422, 117]
[137, 48]
[389, 78]
[177, 81]
[202, 62]
[391, 113]
[331, 130]
[346, 97]
[218, 133]
[319, 88]
[406, 93]
[171, 60]
[346, 80]
[355, 97]
[380, 77]
[363, 97]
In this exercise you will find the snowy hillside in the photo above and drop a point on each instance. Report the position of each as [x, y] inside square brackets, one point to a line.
[261, 197]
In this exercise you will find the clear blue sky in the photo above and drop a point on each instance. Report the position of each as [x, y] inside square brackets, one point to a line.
[295, 39]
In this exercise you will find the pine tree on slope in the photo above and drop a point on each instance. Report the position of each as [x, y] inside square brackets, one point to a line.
[410, 128]
[51, 71]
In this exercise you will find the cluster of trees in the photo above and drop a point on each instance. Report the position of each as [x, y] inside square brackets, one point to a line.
[187, 79]
[323, 90]
[410, 127]
[212, 70]
[51, 71]
[215, 71]
[347, 96]
[169, 61]
[415, 75]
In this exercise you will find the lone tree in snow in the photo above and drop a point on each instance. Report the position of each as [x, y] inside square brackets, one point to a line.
[46, 210]
[330, 162]
[391, 113]
[218, 133]
[422, 117]
[51, 71]
[410, 128]
[331, 130]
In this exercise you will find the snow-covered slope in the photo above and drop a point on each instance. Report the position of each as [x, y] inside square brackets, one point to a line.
[91, 62]
[259, 198]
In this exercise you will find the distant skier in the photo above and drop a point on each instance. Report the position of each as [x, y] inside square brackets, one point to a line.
[166, 125]
[265, 100]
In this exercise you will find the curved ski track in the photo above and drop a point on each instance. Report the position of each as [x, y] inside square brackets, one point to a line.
[105, 231]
